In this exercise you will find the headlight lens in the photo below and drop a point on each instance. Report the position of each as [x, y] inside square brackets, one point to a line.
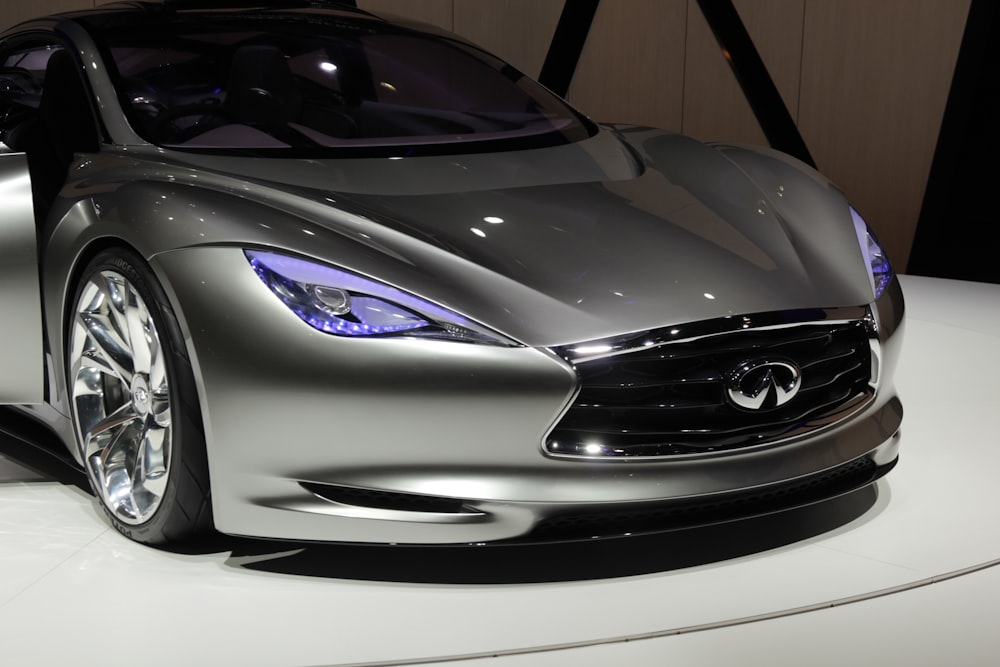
[344, 304]
[879, 270]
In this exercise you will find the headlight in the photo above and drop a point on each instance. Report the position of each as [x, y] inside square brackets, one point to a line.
[879, 270]
[344, 304]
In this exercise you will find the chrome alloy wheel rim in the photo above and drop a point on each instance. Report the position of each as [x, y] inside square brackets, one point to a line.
[121, 397]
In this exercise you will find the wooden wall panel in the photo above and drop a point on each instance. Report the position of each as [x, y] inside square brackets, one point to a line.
[519, 31]
[875, 80]
[435, 12]
[632, 67]
[15, 11]
[715, 108]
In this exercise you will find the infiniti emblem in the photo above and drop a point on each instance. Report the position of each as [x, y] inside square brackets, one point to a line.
[762, 385]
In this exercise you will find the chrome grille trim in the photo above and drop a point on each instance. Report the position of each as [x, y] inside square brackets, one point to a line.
[579, 353]
[708, 424]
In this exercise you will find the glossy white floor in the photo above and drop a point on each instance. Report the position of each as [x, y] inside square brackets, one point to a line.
[910, 579]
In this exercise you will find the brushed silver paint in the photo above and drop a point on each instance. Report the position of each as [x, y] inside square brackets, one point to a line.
[438, 435]
[418, 417]
[632, 229]
[614, 249]
[22, 379]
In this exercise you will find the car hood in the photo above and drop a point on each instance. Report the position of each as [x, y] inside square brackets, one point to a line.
[632, 230]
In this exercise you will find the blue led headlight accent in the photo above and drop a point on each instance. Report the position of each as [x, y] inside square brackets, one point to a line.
[345, 304]
[880, 272]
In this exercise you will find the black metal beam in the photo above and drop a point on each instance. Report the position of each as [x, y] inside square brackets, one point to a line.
[567, 45]
[751, 73]
[957, 235]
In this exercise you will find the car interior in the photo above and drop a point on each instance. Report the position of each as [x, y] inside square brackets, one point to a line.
[50, 123]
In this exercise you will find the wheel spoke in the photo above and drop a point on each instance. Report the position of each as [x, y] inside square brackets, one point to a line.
[94, 360]
[110, 466]
[140, 334]
[159, 406]
[117, 490]
[151, 466]
[106, 434]
[114, 298]
[157, 365]
[108, 348]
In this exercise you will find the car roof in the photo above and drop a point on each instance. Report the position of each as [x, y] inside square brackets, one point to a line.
[209, 5]
[139, 8]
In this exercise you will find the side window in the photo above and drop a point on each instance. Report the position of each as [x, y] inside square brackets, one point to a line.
[45, 112]
[22, 74]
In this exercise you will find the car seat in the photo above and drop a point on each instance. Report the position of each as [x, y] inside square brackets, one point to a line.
[261, 91]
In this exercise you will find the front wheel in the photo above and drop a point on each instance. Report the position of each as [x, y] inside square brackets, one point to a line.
[134, 403]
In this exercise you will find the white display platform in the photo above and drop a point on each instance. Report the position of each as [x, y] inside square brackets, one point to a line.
[910, 580]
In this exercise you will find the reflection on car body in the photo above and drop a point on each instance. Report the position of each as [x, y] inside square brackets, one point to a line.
[307, 273]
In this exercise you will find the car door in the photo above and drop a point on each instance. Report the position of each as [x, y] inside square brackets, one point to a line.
[21, 369]
[21, 360]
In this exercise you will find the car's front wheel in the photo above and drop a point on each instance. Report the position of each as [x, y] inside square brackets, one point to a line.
[134, 403]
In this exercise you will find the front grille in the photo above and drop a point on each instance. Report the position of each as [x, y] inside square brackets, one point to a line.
[671, 399]
[706, 511]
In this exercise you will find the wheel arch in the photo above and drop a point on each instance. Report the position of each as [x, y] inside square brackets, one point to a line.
[58, 332]
[186, 509]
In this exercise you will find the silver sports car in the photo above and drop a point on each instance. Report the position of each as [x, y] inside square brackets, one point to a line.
[302, 272]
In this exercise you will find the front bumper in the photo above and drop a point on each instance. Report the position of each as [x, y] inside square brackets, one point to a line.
[312, 437]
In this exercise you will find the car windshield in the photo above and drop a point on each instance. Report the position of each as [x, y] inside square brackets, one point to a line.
[320, 81]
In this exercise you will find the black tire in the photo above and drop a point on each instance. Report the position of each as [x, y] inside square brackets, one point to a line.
[134, 403]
